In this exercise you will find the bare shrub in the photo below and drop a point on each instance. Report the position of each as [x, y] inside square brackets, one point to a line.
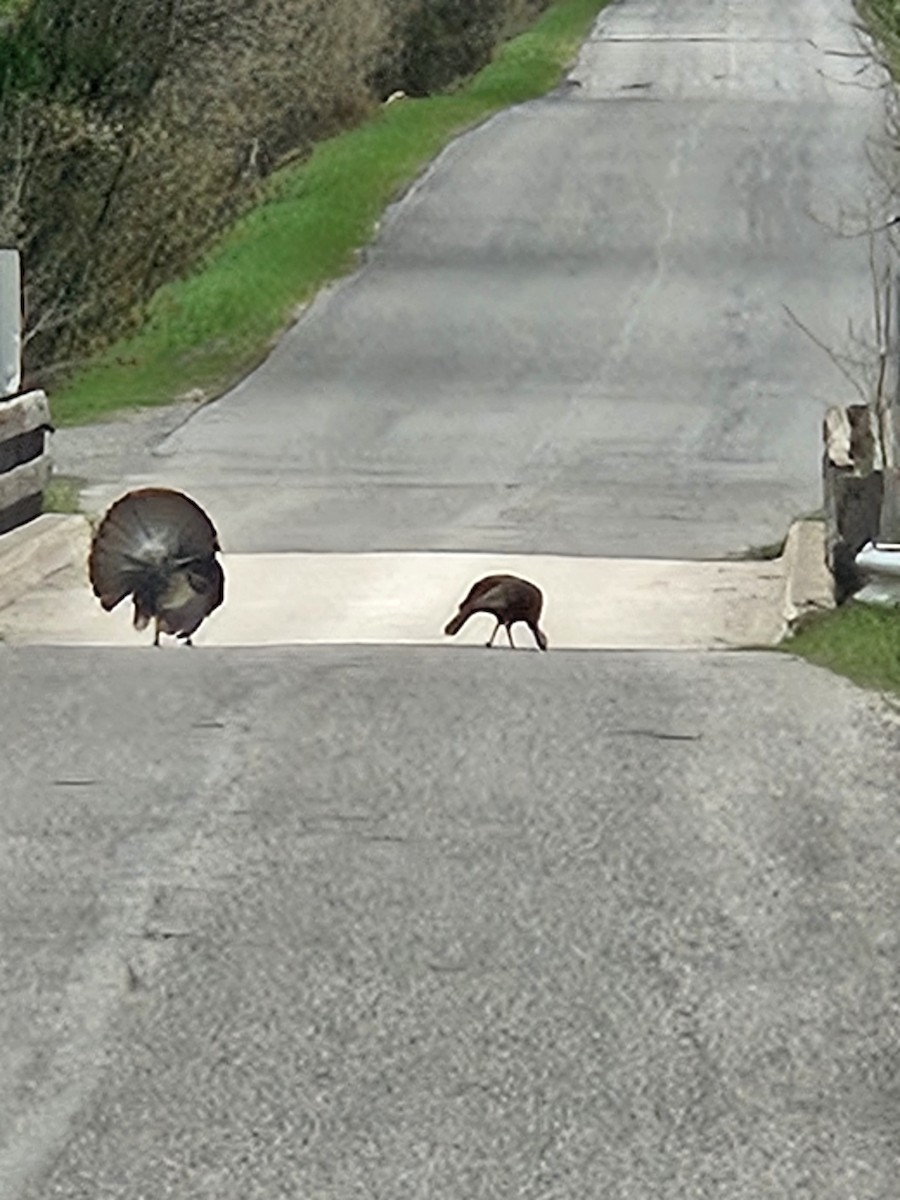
[132, 133]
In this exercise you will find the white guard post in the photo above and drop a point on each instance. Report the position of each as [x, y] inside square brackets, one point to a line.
[880, 566]
[10, 323]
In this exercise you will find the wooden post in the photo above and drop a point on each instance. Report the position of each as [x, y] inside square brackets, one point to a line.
[852, 492]
[25, 464]
[889, 517]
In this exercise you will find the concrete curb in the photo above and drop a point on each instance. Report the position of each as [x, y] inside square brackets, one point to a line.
[808, 586]
[406, 598]
[44, 593]
[32, 553]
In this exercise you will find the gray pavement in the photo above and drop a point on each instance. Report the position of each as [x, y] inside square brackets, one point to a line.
[569, 335]
[339, 922]
[334, 922]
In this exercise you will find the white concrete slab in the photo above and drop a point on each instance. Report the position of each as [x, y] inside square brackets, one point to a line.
[407, 598]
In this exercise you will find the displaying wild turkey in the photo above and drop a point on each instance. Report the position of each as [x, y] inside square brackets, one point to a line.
[507, 598]
[159, 547]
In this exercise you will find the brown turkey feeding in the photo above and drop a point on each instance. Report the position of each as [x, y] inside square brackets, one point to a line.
[507, 598]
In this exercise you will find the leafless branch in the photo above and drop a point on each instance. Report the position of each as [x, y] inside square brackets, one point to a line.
[836, 358]
[838, 53]
[839, 230]
[880, 86]
[53, 316]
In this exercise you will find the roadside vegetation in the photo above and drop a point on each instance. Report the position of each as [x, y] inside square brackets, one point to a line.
[882, 19]
[860, 641]
[214, 230]
[63, 495]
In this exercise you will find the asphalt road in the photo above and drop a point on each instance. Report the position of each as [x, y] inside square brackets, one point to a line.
[393, 923]
[569, 336]
[332, 922]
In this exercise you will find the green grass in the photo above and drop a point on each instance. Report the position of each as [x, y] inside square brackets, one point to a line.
[882, 19]
[209, 330]
[62, 494]
[860, 641]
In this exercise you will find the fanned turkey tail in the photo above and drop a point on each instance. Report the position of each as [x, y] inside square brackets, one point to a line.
[159, 547]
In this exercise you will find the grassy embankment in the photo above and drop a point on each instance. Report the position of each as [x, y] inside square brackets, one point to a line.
[206, 331]
[860, 641]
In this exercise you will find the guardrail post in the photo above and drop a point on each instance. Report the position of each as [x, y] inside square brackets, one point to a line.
[10, 323]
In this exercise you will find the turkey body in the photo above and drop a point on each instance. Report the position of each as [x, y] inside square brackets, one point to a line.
[159, 547]
[509, 599]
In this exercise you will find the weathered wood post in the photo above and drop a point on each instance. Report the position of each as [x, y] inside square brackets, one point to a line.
[852, 492]
[25, 464]
[889, 423]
